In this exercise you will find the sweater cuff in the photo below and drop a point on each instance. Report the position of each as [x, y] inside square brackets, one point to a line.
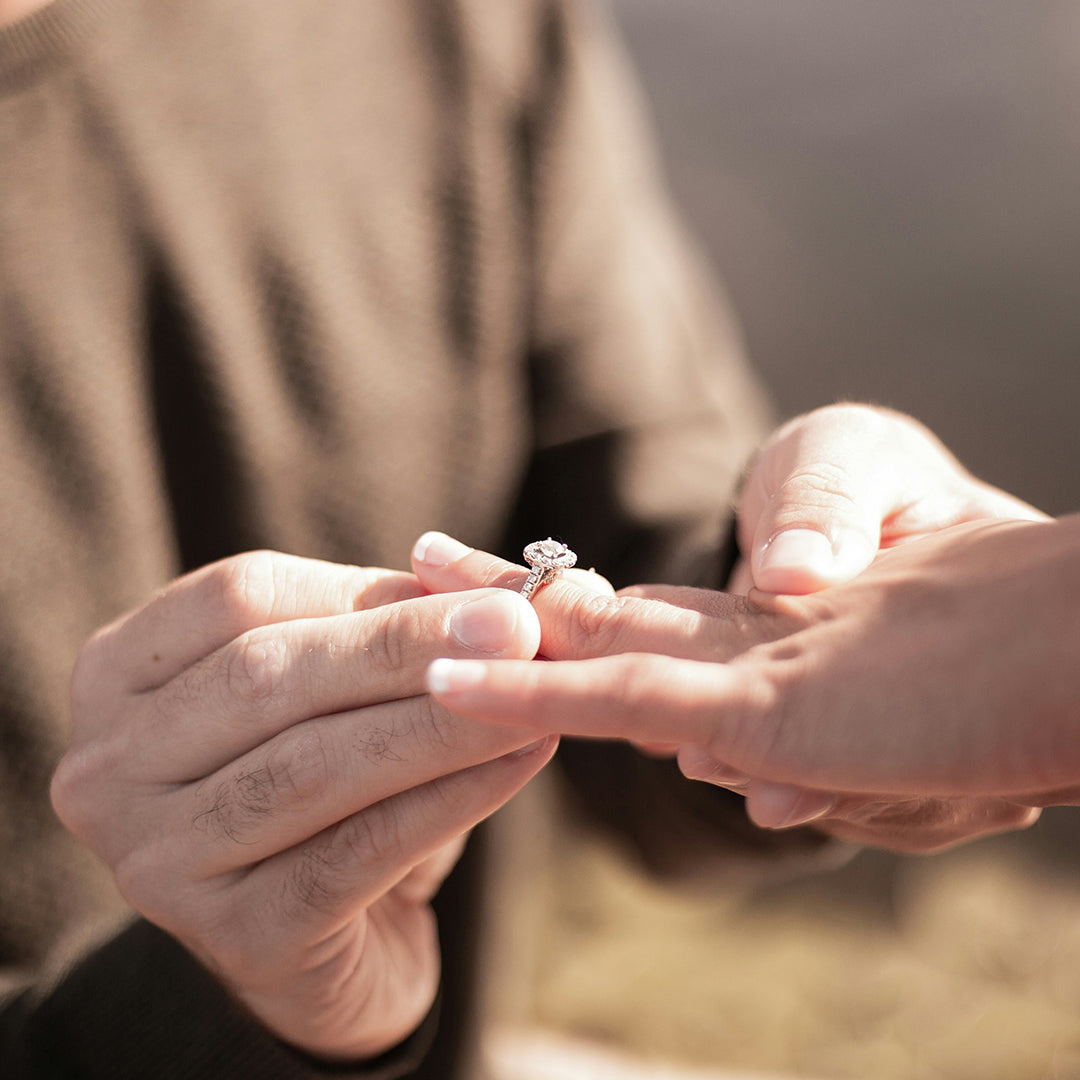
[143, 1006]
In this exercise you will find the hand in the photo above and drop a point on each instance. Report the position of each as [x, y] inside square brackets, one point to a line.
[255, 758]
[833, 487]
[830, 490]
[817, 694]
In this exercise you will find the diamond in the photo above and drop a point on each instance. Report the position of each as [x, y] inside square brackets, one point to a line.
[549, 554]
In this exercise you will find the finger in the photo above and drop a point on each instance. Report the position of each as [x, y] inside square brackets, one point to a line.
[811, 513]
[741, 580]
[422, 882]
[997, 503]
[912, 824]
[904, 823]
[643, 698]
[344, 869]
[321, 772]
[836, 485]
[202, 611]
[934, 826]
[657, 749]
[275, 676]
[444, 564]
[1063, 796]
[581, 623]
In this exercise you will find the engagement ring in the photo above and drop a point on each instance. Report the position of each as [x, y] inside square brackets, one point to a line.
[547, 559]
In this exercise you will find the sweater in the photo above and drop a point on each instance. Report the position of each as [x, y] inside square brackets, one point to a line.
[319, 277]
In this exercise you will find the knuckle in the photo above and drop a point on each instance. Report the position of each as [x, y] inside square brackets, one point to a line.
[300, 768]
[144, 879]
[256, 666]
[218, 811]
[750, 725]
[330, 866]
[295, 770]
[592, 627]
[66, 788]
[449, 800]
[379, 741]
[435, 725]
[399, 627]
[370, 838]
[309, 887]
[638, 677]
[823, 485]
[76, 786]
[291, 772]
[247, 585]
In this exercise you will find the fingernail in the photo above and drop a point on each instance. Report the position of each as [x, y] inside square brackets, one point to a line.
[532, 748]
[781, 806]
[446, 676]
[696, 763]
[804, 550]
[488, 625]
[438, 549]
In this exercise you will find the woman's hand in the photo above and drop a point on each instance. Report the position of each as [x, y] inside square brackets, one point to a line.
[930, 700]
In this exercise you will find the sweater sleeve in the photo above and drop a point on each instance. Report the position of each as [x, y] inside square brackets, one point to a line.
[646, 415]
[141, 1006]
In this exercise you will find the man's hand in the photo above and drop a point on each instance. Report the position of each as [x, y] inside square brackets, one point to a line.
[928, 701]
[255, 757]
[833, 487]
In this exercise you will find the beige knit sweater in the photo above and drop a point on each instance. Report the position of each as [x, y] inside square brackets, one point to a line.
[318, 277]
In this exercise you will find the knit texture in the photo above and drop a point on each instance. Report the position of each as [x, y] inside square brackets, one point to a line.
[315, 277]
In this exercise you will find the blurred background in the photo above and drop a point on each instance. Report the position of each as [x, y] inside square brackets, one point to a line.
[891, 193]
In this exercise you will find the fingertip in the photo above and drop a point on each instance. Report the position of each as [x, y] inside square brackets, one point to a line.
[697, 763]
[446, 676]
[802, 560]
[783, 806]
[541, 749]
[794, 561]
[436, 549]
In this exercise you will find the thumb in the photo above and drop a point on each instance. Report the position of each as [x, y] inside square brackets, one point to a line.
[811, 512]
[811, 556]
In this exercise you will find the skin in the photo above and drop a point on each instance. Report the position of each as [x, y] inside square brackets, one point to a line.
[808, 704]
[835, 486]
[11, 10]
[255, 758]
[817, 692]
